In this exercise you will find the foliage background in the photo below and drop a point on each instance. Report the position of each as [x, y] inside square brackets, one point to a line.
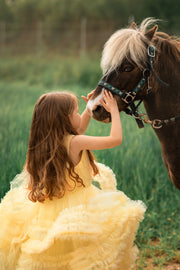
[65, 26]
[117, 11]
[56, 44]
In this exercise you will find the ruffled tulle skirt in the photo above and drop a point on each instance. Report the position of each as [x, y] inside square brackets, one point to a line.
[87, 229]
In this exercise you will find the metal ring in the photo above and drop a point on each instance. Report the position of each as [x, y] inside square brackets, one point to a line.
[151, 53]
[146, 72]
[156, 123]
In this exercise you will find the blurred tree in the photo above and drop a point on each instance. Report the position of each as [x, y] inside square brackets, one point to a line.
[167, 10]
[117, 12]
[25, 12]
[5, 12]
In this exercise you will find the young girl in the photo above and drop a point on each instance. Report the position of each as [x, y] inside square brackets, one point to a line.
[53, 217]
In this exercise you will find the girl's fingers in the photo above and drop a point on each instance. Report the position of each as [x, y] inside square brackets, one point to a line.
[108, 96]
[88, 96]
[91, 93]
[103, 103]
[106, 107]
[107, 93]
[109, 100]
[84, 98]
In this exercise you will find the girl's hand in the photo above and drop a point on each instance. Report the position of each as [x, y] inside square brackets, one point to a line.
[109, 103]
[86, 99]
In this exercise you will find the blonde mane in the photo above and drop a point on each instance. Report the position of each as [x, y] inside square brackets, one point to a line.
[126, 43]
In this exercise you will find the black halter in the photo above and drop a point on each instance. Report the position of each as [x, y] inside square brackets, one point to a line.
[129, 97]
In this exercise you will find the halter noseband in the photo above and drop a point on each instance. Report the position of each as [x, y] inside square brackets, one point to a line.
[128, 97]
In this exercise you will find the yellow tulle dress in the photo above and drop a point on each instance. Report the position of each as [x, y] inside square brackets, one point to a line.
[88, 229]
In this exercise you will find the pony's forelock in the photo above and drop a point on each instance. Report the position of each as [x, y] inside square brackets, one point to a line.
[126, 43]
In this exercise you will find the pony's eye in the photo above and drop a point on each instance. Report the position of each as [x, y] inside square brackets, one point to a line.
[128, 69]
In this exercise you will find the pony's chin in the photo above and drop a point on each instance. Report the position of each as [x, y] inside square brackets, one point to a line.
[101, 119]
[107, 120]
[100, 114]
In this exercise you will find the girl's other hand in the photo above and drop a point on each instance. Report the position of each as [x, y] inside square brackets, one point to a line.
[109, 103]
[86, 99]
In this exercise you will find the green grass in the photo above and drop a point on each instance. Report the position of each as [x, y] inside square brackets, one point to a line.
[137, 163]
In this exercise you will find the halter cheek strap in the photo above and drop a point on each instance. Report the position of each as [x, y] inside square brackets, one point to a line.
[151, 54]
[128, 97]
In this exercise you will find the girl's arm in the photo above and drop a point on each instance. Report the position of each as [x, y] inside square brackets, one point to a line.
[85, 119]
[81, 142]
[85, 116]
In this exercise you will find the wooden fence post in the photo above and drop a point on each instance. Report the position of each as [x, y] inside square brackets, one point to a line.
[2, 35]
[39, 37]
[83, 36]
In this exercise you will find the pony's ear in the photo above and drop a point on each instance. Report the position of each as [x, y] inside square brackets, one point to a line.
[151, 32]
[133, 26]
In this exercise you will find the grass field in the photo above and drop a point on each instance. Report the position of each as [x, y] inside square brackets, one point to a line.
[137, 163]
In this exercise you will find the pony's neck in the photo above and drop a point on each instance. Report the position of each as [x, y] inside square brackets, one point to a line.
[164, 105]
[163, 102]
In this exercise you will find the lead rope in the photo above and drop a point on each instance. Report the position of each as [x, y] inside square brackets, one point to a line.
[156, 123]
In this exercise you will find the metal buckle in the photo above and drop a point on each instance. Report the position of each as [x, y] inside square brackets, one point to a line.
[151, 53]
[146, 72]
[156, 123]
[128, 98]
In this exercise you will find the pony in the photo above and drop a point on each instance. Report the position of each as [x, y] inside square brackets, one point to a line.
[141, 64]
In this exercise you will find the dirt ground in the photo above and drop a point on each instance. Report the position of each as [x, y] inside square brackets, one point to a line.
[174, 266]
[157, 262]
[170, 266]
[151, 266]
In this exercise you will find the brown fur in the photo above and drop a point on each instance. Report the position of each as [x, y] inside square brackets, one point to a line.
[163, 102]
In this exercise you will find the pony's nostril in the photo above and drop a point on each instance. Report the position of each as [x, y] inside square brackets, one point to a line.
[97, 109]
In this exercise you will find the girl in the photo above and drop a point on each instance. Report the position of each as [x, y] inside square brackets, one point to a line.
[53, 217]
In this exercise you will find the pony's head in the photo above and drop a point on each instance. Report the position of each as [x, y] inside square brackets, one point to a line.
[124, 59]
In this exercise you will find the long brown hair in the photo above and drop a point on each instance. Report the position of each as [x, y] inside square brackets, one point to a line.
[48, 162]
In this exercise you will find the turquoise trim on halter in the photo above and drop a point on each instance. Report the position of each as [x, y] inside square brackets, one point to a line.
[140, 84]
[110, 87]
[151, 54]
[127, 97]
